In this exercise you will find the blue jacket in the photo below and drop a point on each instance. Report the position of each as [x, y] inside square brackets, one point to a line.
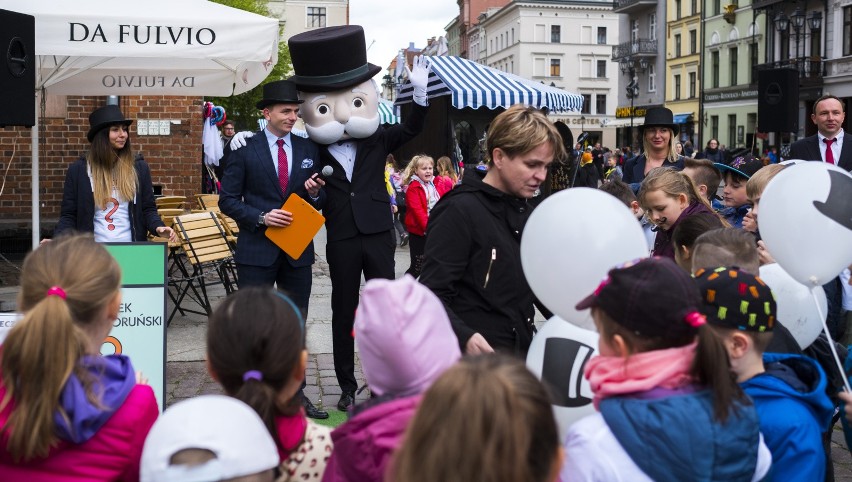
[735, 216]
[794, 411]
[676, 438]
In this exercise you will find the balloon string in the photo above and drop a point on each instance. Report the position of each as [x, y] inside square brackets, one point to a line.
[831, 342]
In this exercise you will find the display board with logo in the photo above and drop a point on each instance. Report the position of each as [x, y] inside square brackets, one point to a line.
[139, 332]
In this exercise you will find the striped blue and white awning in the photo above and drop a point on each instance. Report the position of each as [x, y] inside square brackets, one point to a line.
[387, 112]
[475, 85]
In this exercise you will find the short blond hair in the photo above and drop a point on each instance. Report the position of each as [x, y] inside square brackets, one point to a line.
[519, 130]
[757, 183]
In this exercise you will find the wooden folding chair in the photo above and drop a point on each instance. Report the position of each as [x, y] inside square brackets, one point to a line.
[206, 249]
[210, 202]
[232, 229]
[175, 202]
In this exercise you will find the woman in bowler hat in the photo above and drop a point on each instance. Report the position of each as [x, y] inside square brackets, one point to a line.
[107, 191]
[659, 137]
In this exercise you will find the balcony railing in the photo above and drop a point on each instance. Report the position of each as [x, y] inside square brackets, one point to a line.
[810, 70]
[640, 47]
[624, 6]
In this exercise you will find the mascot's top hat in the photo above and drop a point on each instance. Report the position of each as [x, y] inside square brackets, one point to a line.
[330, 58]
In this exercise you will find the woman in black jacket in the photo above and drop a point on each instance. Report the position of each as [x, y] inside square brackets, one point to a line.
[107, 192]
[472, 260]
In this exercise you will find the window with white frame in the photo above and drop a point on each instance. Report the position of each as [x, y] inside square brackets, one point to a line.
[634, 30]
[555, 67]
[316, 17]
[600, 104]
[693, 87]
[676, 87]
[847, 30]
[587, 104]
[652, 78]
[538, 67]
[601, 35]
[585, 67]
[602, 69]
[652, 26]
[555, 34]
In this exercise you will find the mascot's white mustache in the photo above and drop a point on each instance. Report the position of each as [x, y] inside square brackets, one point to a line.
[333, 131]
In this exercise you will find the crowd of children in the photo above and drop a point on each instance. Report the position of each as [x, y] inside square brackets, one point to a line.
[695, 377]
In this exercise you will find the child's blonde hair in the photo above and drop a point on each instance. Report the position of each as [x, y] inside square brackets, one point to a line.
[493, 403]
[412, 166]
[444, 167]
[758, 182]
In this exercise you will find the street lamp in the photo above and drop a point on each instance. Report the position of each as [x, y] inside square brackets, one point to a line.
[797, 21]
[631, 67]
[815, 20]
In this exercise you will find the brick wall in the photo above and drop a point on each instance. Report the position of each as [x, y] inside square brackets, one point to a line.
[175, 159]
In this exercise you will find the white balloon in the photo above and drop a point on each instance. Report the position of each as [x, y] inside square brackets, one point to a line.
[557, 356]
[796, 308]
[810, 245]
[570, 243]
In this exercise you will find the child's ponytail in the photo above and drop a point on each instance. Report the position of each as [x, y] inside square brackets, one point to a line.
[255, 340]
[65, 285]
[711, 368]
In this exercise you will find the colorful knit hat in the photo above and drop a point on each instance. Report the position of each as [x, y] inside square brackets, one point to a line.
[735, 299]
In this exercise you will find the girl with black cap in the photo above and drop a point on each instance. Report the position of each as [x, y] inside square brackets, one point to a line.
[107, 192]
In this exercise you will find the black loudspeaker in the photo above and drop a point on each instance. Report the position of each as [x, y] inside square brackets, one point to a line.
[17, 69]
[778, 100]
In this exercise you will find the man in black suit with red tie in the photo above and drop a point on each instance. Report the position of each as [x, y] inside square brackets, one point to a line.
[829, 143]
[258, 179]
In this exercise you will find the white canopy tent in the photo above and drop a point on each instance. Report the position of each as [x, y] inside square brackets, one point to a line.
[156, 47]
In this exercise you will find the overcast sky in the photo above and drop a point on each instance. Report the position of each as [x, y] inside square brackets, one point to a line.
[393, 24]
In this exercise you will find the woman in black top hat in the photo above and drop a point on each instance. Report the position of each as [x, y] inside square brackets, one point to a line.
[107, 192]
[659, 137]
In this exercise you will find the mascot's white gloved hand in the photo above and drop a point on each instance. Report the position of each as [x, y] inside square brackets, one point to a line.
[419, 78]
[239, 139]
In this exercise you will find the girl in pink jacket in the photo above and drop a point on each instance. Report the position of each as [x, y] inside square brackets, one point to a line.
[66, 412]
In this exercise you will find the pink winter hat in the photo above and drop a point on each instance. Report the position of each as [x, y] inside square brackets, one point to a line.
[404, 336]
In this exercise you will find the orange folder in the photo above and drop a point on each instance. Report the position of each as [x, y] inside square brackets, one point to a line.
[293, 239]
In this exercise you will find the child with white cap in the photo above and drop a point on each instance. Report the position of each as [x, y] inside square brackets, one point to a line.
[209, 438]
[406, 342]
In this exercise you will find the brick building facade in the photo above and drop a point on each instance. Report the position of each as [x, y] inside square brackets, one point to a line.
[175, 159]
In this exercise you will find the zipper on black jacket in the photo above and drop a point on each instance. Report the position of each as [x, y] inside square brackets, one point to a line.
[490, 264]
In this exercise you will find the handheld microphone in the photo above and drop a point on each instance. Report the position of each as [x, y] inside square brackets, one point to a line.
[327, 171]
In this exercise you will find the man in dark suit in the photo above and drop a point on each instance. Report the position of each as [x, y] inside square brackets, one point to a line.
[828, 144]
[258, 179]
[341, 114]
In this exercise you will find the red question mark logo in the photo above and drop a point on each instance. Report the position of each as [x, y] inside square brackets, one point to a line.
[108, 217]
